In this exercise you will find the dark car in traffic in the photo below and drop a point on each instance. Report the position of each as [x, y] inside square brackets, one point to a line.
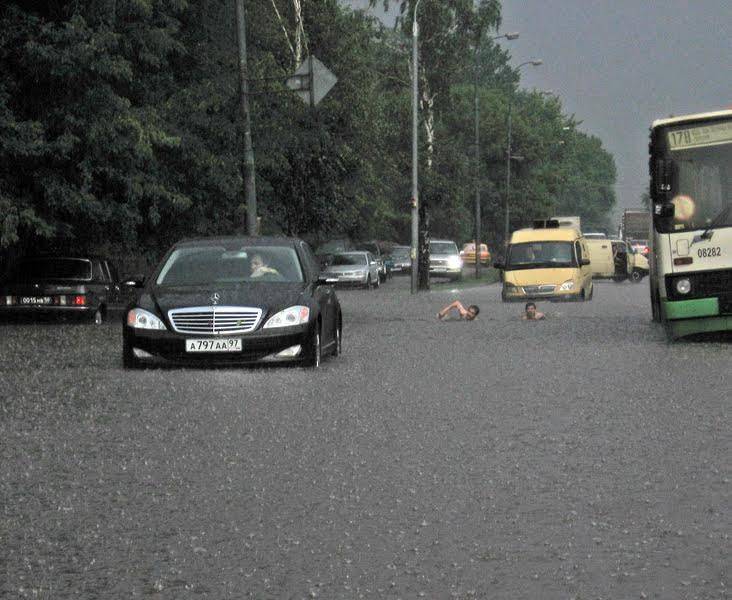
[59, 286]
[234, 300]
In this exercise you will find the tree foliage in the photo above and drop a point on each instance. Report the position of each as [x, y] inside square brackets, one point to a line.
[120, 129]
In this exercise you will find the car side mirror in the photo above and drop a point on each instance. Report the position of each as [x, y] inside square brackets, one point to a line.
[135, 281]
[585, 262]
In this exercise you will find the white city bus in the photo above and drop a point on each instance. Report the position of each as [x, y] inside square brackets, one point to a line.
[691, 237]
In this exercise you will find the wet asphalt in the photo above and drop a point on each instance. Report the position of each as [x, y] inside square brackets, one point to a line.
[580, 457]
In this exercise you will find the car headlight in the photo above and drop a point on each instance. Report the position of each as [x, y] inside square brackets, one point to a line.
[454, 262]
[295, 315]
[566, 286]
[140, 318]
[683, 286]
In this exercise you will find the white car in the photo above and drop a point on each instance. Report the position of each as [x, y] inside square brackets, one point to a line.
[445, 260]
[356, 268]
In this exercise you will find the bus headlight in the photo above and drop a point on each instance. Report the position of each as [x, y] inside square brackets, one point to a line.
[683, 286]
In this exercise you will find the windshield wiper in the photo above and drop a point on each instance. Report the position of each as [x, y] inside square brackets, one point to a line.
[716, 221]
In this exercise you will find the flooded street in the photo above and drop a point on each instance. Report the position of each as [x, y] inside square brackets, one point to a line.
[583, 456]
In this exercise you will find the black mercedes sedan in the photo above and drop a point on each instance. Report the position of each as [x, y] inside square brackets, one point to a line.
[234, 300]
[59, 286]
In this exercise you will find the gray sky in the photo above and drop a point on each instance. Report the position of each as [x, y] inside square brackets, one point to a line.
[619, 64]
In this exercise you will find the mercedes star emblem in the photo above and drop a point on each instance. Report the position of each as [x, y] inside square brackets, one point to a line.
[215, 298]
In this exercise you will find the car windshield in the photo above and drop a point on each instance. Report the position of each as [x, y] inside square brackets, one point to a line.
[340, 260]
[443, 248]
[538, 255]
[48, 269]
[400, 253]
[218, 264]
[333, 246]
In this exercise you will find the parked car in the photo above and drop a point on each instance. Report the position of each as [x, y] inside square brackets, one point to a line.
[468, 254]
[445, 259]
[373, 247]
[358, 268]
[401, 261]
[60, 285]
[238, 300]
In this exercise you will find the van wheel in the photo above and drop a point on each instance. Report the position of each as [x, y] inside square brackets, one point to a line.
[592, 291]
[636, 276]
[98, 318]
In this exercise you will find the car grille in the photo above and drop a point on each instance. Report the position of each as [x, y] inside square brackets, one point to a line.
[215, 320]
[538, 289]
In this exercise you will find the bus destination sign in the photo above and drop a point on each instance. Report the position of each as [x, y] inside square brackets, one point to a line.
[699, 137]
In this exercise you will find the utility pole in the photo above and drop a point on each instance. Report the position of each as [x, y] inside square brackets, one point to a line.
[250, 190]
[414, 252]
[477, 164]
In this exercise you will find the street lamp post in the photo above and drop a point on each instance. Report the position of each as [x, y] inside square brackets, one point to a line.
[415, 157]
[506, 233]
[508, 36]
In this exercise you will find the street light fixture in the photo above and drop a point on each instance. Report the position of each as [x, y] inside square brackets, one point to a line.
[509, 157]
[509, 36]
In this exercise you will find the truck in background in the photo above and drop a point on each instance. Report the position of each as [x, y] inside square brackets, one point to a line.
[635, 227]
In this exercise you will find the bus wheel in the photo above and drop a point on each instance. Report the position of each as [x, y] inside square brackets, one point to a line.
[655, 306]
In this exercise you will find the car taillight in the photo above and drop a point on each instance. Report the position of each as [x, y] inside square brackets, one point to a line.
[79, 300]
[62, 300]
[646, 250]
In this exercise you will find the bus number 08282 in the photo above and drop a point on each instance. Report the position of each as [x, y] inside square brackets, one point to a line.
[709, 252]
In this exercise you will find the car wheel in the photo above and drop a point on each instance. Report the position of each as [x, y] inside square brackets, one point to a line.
[338, 350]
[592, 291]
[369, 283]
[636, 276]
[128, 358]
[377, 285]
[98, 317]
[315, 351]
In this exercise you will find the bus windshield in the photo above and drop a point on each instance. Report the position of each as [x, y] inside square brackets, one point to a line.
[701, 190]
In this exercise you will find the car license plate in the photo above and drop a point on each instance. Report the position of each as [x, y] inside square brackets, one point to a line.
[214, 345]
[36, 300]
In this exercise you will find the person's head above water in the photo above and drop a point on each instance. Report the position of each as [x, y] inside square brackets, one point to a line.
[531, 314]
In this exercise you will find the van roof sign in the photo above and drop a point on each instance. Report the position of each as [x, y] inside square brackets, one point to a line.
[546, 224]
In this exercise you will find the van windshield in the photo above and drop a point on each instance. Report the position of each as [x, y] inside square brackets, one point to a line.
[541, 255]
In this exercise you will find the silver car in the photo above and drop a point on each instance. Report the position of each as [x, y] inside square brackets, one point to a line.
[353, 268]
[445, 259]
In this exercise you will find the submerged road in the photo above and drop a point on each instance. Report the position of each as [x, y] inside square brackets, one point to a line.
[580, 457]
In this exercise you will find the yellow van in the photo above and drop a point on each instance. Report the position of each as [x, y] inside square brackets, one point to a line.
[611, 259]
[546, 262]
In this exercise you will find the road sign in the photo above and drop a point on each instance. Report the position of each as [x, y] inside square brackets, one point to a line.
[312, 81]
